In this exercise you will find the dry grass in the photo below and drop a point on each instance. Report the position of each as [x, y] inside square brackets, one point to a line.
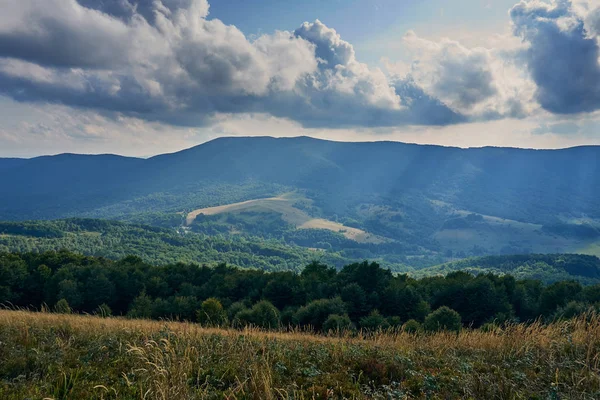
[83, 357]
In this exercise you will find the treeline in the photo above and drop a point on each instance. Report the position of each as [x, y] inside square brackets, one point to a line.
[360, 295]
[548, 268]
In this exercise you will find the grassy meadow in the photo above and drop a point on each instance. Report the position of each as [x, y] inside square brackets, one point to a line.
[56, 356]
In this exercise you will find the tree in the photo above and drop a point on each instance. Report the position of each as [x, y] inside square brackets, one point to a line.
[356, 300]
[141, 307]
[68, 289]
[316, 312]
[412, 326]
[62, 307]
[263, 315]
[336, 323]
[443, 318]
[374, 322]
[211, 313]
[234, 309]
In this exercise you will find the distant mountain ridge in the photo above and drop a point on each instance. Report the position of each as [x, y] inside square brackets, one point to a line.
[520, 200]
[516, 179]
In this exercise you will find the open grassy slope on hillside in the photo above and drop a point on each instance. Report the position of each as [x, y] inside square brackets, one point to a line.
[84, 357]
[284, 206]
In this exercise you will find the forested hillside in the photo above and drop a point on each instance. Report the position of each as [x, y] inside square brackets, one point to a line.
[116, 240]
[360, 295]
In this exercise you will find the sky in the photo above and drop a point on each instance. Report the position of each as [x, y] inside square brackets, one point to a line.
[143, 77]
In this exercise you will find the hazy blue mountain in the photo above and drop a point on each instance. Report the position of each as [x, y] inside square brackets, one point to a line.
[403, 192]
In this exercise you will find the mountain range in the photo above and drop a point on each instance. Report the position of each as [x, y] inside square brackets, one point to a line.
[417, 200]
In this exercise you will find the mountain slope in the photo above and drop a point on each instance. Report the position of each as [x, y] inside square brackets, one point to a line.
[409, 193]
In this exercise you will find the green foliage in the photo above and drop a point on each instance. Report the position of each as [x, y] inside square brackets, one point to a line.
[315, 313]
[374, 322]
[443, 318]
[103, 310]
[336, 323]
[548, 268]
[412, 326]
[159, 245]
[571, 309]
[263, 315]
[211, 313]
[215, 295]
[141, 307]
[62, 307]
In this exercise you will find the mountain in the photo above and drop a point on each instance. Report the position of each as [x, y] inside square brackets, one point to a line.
[442, 200]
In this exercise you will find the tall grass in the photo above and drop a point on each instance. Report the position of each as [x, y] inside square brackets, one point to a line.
[55, 356]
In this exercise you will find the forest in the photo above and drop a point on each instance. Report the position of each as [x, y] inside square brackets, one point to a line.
[359, 296]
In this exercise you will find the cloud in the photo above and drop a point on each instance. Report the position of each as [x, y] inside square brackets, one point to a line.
[476, 82]
[180, 67]
[563, 56]
[167, 61]
[592, 23]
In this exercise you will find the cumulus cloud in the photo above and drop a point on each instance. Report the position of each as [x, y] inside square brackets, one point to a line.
[563, 54]
[476, 82]
[169, 61]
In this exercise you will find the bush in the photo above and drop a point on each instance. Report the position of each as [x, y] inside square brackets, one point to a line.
[212, 313]
[337, 323]
[234, 309]
[316, 312]
[62, 307]
[266, 315]
[443, 318]
[103, 310]
[374, 322]
[394, 322]
[571, 310]
[263, 315]
[412, 326]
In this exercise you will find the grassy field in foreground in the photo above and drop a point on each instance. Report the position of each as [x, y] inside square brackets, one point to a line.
[84, 357]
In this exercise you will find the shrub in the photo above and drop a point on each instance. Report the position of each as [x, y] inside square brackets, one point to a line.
[571, 310]
[337, 323]
[374, 322]
[412, 326]
[234, 309]
[211, 313]
[443, 318]
[263, 315]
[316, 312]
[103, 310]
[62, 307]
[394, 322]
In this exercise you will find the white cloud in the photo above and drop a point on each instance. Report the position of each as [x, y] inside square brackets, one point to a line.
[478, 82]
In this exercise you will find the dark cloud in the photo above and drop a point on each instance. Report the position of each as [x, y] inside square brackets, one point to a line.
[164, 61]
[562, 57]
[127, 9]
[54, 33]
